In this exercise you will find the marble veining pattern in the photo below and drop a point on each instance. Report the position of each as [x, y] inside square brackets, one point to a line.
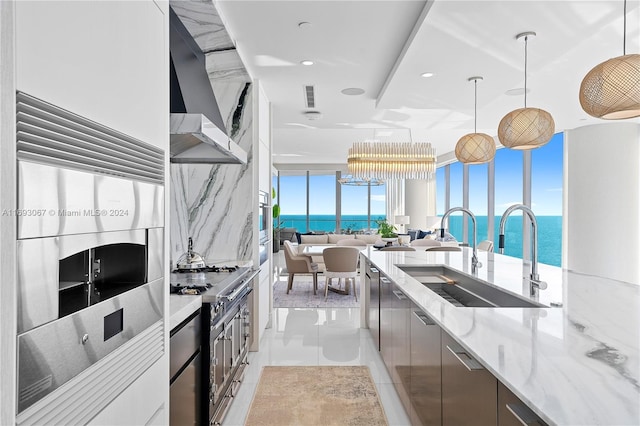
[214, 204]
[203, 22]
[575, 365]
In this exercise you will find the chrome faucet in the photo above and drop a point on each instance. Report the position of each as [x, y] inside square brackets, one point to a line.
[474, 259]
[534, 278]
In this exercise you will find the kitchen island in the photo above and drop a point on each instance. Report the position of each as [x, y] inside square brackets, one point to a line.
[576, 363]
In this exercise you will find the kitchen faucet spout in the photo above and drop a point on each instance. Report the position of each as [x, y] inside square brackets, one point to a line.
[534, 278]
[475, 264]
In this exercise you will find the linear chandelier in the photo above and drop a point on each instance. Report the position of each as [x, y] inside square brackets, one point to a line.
[611, 90]
[389, 160]
[353, 181]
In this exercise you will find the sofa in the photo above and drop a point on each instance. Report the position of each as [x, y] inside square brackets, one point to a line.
[332, 240]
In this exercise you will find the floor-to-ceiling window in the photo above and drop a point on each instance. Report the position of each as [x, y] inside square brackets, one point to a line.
[478, 175]
[322, 201]
[455, 200]
[309, 200]
[508, 177]
[546, 198]
[378, 204]
[293, 201]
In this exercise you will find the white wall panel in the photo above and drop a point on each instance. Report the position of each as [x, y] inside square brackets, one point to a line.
[602, 201]
[105, 60]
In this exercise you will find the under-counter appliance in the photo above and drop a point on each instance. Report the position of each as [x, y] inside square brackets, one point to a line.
[89, 262]
[226, 332]
[185, 363]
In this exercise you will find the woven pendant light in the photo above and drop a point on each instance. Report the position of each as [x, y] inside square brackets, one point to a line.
[611, 90]
[526, 128]
[475, 148]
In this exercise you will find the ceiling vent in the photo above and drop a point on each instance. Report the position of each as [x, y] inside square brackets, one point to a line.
[309, 96]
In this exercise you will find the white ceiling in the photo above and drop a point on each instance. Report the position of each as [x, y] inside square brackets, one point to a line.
[384, 46]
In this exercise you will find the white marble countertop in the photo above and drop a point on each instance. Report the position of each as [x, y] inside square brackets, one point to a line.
[181, 306]
[577, 364]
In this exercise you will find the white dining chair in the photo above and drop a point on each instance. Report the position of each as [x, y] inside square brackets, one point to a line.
[341, 263]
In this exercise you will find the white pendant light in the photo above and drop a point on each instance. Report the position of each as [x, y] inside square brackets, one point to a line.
[475, 148]
[611, 90]
[526, 128]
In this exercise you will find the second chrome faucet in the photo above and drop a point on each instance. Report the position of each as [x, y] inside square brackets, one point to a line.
[534, 278]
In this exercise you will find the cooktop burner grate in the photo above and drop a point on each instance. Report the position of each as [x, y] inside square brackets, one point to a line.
[206, 269]
[188, 289]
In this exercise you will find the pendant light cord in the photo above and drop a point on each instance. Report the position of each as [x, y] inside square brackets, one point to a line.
[525, 70]
[475, 107]
[624, 30]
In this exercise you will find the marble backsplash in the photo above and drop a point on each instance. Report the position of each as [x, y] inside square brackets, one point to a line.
[214, 203]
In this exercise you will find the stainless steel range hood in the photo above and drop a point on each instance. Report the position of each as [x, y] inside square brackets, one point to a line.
[195, 139]
[197, 129]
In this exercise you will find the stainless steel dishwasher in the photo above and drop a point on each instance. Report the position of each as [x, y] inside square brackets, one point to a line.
[184, 370]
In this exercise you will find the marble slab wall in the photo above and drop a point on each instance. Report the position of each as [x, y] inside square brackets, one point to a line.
[213, 203]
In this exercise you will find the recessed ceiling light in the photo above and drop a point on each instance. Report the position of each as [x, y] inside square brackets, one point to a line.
[352, 91]
[304, 25]
[312, 115]
[427, 74]
[306, 62]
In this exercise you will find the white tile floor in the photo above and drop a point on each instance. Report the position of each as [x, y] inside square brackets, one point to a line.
[325, 336]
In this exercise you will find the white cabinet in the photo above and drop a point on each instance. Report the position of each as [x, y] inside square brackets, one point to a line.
[261, 301]
[107, 61]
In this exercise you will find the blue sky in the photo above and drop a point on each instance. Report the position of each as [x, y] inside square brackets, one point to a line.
[546, 187]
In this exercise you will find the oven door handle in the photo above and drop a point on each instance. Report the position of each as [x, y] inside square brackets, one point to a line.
[241, 287]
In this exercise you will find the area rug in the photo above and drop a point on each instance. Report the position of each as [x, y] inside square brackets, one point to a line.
[316, 395]
[301, 296]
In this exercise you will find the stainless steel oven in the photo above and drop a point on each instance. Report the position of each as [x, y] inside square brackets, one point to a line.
[264, 212]
[226, 336]
[90, 259]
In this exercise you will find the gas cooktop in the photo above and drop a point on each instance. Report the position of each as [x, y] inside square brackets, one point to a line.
[211, 282]
[212, 268]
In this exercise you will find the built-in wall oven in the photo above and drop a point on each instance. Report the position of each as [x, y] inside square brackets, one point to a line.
[90, 262]
[264, 213]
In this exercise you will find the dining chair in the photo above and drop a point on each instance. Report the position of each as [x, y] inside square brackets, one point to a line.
[486, 245]
[397, 248]
[443, 248]
[341, 262]
[299, 264]
[425, 242]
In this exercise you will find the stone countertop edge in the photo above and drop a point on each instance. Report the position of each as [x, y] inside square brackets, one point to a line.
[572, 365]
[181, 306]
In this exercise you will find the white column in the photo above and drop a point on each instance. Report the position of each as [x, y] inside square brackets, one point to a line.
[420, 201]
[601, 201]
[395, 199]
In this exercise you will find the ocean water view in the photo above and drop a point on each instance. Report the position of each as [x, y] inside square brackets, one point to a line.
[549, 231]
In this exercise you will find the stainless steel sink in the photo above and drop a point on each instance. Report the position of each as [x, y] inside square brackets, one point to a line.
[465, 291]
